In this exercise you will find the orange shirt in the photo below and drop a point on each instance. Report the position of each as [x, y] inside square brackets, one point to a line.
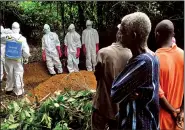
[171, 81]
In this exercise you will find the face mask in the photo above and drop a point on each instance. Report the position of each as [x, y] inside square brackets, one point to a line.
[16, 30]
[72, 30]
[89, 26]
[46, 31]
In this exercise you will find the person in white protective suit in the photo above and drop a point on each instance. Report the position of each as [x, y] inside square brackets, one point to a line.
[90, 45]
[17, 52]
[3, 37]
[51, 51]
[72, 49]
[4, 33]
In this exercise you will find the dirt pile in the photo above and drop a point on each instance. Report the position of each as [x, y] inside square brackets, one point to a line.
[34, 74]
[74, 81]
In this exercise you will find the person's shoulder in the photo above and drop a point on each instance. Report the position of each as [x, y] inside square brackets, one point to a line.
[84, 30]
[21, 37]
[67, 34]
[54, 33]
[147, 57]
[105, 50]
[94, 30]
[180, 50]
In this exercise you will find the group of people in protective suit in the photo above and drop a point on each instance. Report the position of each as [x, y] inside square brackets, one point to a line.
[15, 52]
[51, 51]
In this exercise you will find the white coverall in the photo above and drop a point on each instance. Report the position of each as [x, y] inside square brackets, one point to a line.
[4, 33]
[15, 68]
[3, 41]
[90, 38]
[49, 43]
[72, 41]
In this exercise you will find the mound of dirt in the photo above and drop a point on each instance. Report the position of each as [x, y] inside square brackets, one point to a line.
[74, 81]
[34, 74]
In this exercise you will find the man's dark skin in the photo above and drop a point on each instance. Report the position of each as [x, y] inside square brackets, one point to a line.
[164, 32]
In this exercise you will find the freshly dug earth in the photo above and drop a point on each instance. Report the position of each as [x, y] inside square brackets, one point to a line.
[74, 81]
[34, 74]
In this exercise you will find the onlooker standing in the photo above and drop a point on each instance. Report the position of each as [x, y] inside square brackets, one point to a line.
[110, 62]
[136, 87]
[171, 59]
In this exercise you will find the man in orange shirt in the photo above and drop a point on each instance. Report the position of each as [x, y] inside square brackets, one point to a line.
[171, 59]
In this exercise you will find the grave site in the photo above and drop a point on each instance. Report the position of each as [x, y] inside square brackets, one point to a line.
[40, 84]
[64, 101]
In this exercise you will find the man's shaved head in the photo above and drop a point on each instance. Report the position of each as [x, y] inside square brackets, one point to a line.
[164, 32]
[165, 27]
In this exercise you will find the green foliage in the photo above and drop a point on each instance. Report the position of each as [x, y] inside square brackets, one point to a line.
[105, 15]
[71, 109]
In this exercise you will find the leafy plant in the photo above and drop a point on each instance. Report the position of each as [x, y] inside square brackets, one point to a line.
[72, 109]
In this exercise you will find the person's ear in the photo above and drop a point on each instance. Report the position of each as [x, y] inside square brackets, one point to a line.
[157, 34]
[134, 35]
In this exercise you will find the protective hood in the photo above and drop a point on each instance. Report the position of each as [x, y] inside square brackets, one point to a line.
[16, 28]
[71, 28]
[46, 28]
[88, 23]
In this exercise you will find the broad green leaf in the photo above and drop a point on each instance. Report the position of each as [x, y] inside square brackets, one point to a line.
[25, 127]
[13, 126]
[31, 110]
[11, 118]
[48, 121]
[79, 94]
[60, 98]
[43, 117]
[65, 98]
[30, 120]
[71, 100]
[27, 114]
[4, 126]
[16, 107]
[64, 126]
[56, 105]
[58, 127]
[23, 116]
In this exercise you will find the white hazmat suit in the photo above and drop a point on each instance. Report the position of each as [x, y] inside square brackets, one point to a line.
[90, 43]
[3, 41]
[51, 50]
[72, 49]
[4, 33]
[14, 66]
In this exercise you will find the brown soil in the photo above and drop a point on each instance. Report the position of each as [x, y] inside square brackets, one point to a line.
[34, 74]
[74, 81]
[39, 83]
